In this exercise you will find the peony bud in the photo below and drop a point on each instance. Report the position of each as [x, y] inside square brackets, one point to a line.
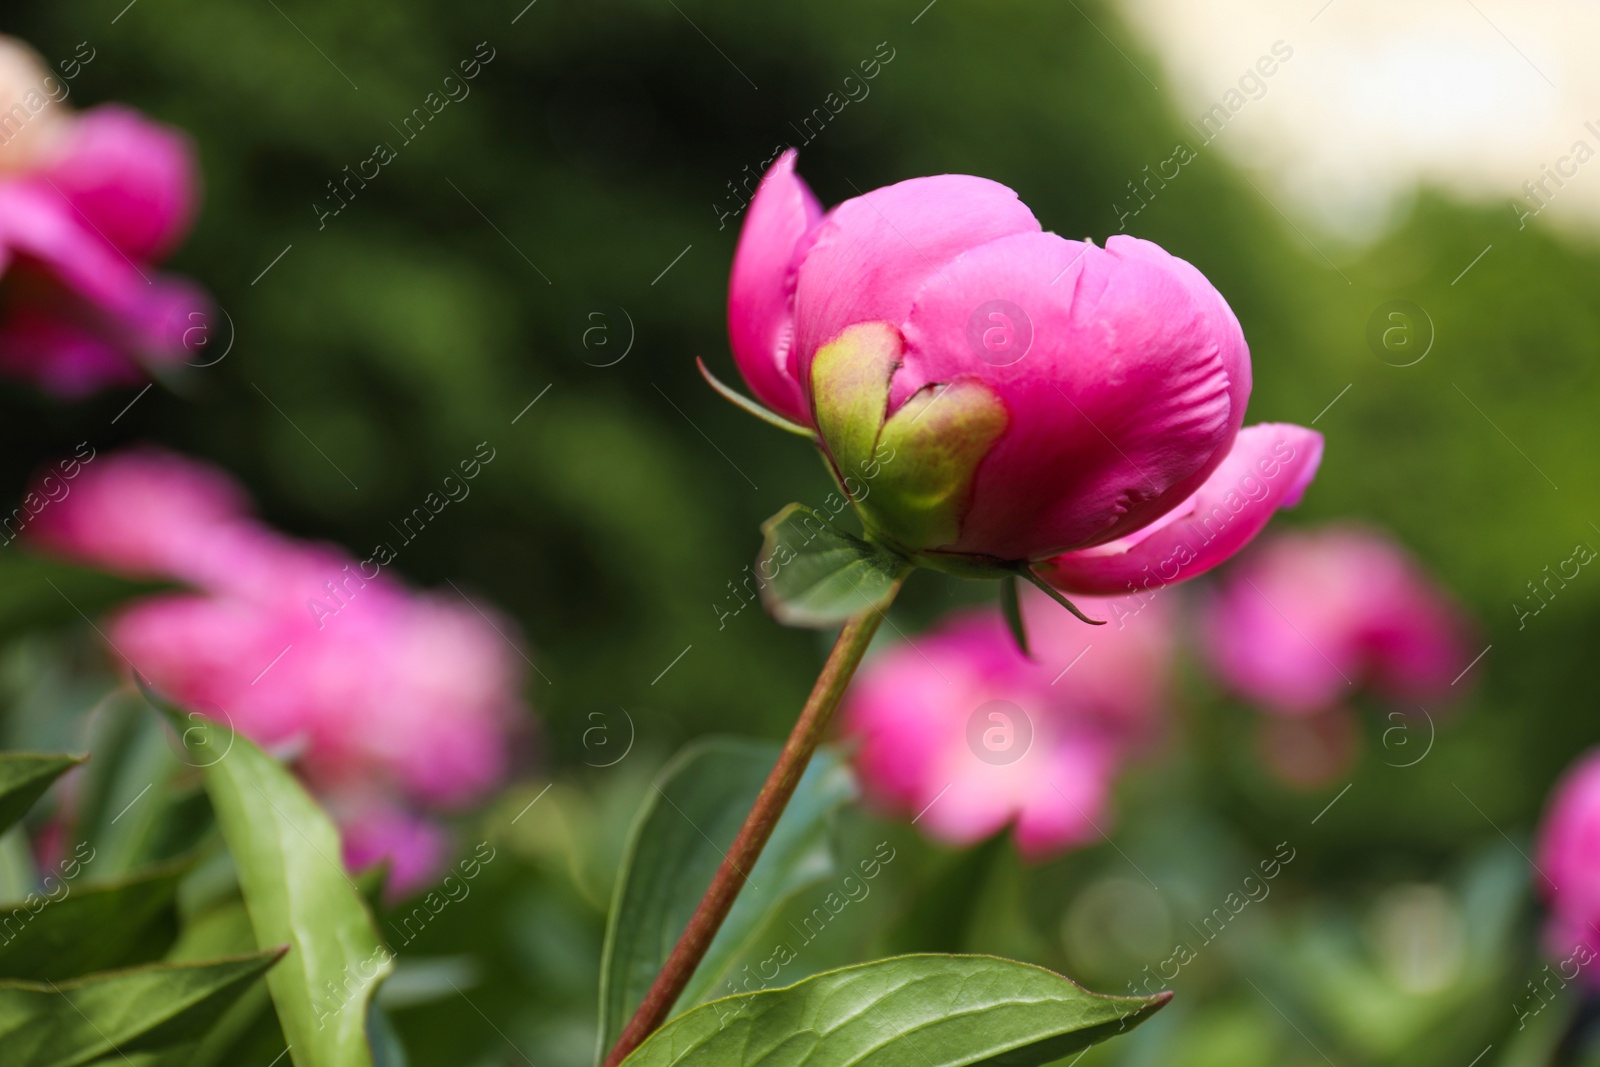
[991, 396]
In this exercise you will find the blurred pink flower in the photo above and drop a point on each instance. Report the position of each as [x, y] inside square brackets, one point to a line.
[1084, 399]
[144, 512]
[415, 848]
[89, 203]
[294, 644]
[1306, 620]
[960, 731]
[1567, 864]
[132, 181]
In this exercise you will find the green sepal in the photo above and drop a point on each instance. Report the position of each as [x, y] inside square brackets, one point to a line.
[1055, 594]
[813, 574]
[1012, 610]
[850, 394]
[744, 403]
[927, 454]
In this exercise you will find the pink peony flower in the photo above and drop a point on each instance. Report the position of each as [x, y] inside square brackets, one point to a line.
[1567, 865]
[296, 645]
[990, 394]
[88, 204]
[1305, 620]
[960, 731]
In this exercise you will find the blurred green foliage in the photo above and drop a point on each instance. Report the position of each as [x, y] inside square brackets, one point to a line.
[593, 152]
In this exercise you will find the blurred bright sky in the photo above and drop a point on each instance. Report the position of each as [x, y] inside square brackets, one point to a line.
[1473, 96]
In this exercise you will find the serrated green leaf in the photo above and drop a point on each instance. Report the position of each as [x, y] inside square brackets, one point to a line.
[68, 929]
[676, 844]
[297, 893]
[817, 575]
[24, 776]
[142, 1009]
[908, 1011]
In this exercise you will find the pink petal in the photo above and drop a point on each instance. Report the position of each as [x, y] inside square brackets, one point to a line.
[415, 848]
[134, 181]
[1419, 647]
[872, 253]
[62, 356]
[1067, 805]
[82, 314]
[1567, 853]
[761, 290]
[1123, 377]
[142, 512]
[41, 224]
[1269, 468]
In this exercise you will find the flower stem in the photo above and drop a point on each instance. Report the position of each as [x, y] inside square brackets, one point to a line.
[752, 837]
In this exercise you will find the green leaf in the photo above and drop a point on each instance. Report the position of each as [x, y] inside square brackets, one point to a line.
[387, 1048]
[24, 776]
[675, 847]
[130, 802]
[66, 929]
[1012, 610]
[817, 575]
[45, 1024]
[296, 890]
[18, 874]
[908, 1011]
[36, 591]
[248, 1031]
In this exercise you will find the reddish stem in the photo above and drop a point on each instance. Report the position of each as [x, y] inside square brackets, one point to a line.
[752, 837]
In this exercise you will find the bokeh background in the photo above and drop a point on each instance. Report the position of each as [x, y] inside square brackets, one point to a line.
[557, 236]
